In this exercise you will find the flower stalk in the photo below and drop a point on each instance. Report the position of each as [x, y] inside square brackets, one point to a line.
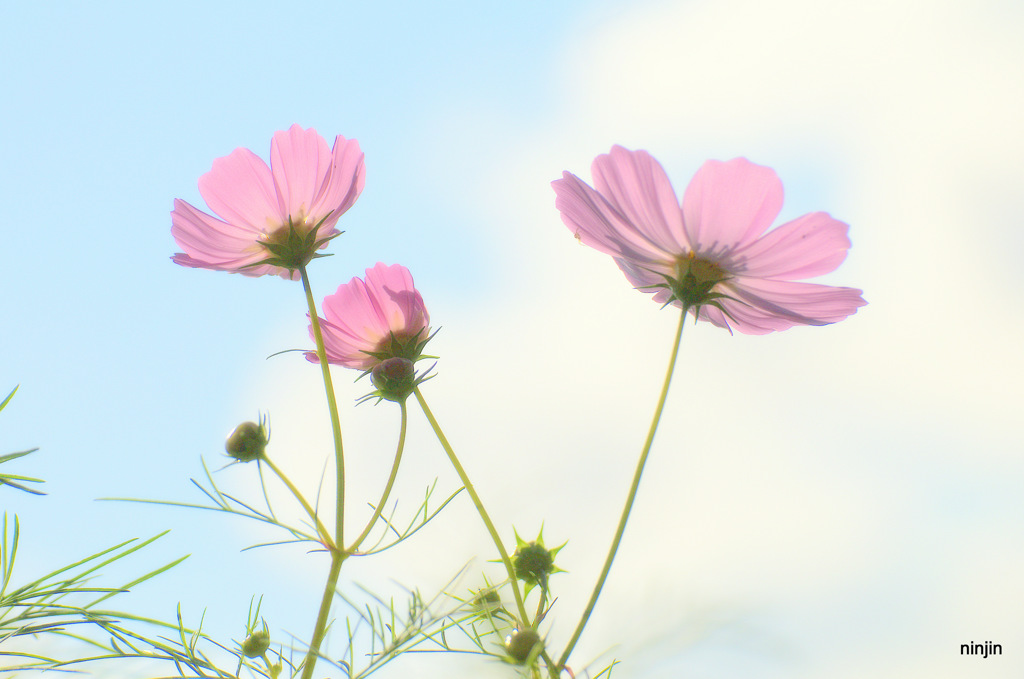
[352, 549]
[320, 629]
[478, 503]
[321, 530]
[332, 405]
[338, 555]
[629, 501]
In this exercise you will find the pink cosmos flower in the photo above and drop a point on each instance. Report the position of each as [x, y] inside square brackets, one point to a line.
[272, 219]
[368, 321]
[710, 255]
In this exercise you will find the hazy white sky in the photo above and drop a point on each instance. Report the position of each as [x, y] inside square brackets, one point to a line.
[841, 501]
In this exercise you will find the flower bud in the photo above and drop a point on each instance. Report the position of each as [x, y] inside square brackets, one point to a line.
[487, 598]
[247, 442]
[256, 644]
[520, 644]
[395, 378]
[487, 603]
[533, 562]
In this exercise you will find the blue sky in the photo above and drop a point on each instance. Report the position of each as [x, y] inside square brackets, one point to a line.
[840, 501]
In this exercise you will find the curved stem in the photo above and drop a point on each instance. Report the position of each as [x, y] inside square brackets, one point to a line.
[520, 605]
[629, 499]
[337, 555]
[321, 530]
[390, 483]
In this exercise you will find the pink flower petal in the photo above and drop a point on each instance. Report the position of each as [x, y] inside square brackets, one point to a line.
[210, 243]
[342, 347]
[728, 204]
[252, 271]
[811, 245]
[400, 303]
[598, 224]
[300, 163]
[767, 305]
[645, 280]
[354, 308]
[345, 183]
[636, 185]
[240, 189]
[207, 239]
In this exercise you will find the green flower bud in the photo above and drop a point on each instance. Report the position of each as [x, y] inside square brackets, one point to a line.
[256, 644]
[395, 378]
[533, 563]
[520, 645]
[247, 442]
[487, 603]
[487, 598]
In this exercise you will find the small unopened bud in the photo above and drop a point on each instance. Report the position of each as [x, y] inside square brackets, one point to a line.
[487, 598]
[487, 603]
[520, 644]
[247, 442]
[256, 644]
[395, 378]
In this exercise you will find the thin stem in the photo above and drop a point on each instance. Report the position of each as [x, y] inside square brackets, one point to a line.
[543, 598]
[321, 530]
[629, 499]
[550, 664]
[387, 488]
[332, 405]
[337, 555]
[479, 506]
[320, 630]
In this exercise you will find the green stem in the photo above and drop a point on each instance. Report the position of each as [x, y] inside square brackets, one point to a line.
[387, 488]
[320, 630]
[332, 405]
[520, 605]
[321, 530]
[542, 600]
[629, 500]
[337, 556]
[550, 664]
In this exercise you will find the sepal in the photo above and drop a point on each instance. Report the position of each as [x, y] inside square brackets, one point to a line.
[292, 248]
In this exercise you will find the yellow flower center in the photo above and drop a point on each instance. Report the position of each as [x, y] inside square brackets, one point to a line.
[702, 270]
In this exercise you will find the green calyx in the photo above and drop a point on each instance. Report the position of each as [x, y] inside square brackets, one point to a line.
[399, 346]
[394, 378]
[694, 284]
[292, 246]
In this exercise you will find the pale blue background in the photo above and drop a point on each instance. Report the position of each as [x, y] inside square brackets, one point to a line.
[840, 502]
